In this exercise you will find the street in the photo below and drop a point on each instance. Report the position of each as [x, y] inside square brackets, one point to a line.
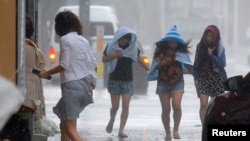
[144, 122]
[150, 21]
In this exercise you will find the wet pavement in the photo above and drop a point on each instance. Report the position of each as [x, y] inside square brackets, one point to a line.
[144, 122]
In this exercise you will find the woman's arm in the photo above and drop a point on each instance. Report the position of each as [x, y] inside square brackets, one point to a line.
[46, 73]
[142, 63]
[219, 60]
[108, 58]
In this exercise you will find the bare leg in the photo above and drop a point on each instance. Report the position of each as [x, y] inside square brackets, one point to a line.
[165, 115]
[177, 112]
[124, 114]
[64, 136]
[203, 106]
[115, 100]
[69, 127]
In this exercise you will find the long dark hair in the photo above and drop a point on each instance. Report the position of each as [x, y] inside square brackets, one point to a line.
[201, 50]
[162, 48]
[66, 22]
[29, 27]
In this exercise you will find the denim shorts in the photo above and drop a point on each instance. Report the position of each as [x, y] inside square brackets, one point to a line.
[165, 88]
[120, 87]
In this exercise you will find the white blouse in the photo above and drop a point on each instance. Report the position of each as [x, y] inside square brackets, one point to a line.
[76, 58]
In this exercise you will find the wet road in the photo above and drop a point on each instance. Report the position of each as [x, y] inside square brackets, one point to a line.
[144, 122]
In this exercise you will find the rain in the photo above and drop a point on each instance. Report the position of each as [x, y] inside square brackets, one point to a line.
[150, 19]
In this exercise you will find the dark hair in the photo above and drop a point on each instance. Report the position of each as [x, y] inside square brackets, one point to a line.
[127, 36]
[162, 47]
[66, 22]
[29, 27]
[216, 34]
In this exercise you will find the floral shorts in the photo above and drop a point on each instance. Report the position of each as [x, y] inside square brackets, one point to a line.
[210, 83]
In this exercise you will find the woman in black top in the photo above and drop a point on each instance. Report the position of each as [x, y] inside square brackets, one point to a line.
[119, 55]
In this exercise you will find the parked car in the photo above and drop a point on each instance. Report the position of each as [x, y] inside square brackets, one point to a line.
[139, 73]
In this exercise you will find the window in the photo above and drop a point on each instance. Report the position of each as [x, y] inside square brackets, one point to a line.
[108, 28]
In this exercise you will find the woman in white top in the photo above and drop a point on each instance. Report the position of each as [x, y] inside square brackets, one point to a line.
[77, 68]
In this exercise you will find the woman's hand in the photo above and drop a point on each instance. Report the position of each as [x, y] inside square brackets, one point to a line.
[93, 85]
[108, 58]
[118, 55]
[43, 74]
[166, 60]
[210, 50]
